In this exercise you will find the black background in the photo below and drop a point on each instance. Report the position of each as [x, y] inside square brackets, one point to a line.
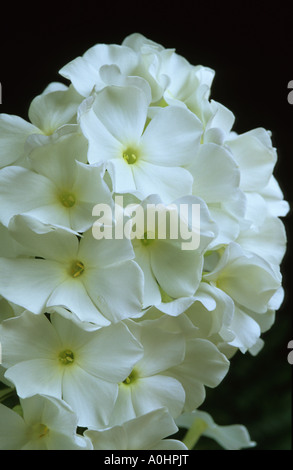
[250, 46]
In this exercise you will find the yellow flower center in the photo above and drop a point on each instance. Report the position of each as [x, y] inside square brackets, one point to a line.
[131, 378]
[43, 430]
[67, 199]
[130, 155]
[39, 430]
[148, 238]
[76, 269]
[66, 357]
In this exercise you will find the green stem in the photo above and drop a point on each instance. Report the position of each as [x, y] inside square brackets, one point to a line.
[6, 393]
[194, 432]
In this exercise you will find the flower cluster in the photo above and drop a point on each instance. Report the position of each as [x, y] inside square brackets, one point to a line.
[109, 340]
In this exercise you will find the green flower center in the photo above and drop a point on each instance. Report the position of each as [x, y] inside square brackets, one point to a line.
[148, 238]
[76, 269]
[66, 357]
[130, 155]
[67, 198]
[131, 378]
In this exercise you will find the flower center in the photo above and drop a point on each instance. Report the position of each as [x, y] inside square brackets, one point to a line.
[131, 378]
[76, 269]
[130, 155]
[39, 431]
[67, 199]
[66, 357]
[148, 238]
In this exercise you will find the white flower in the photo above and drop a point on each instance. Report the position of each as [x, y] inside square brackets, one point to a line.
[255, 156]
[173, 80]
[147, 432]
[47, 424]
[274, 198]
[48, 112]
[54, 108]
[61, 359]
[148, 387]
[267, 240]
[95, 279]
[58, 189]
[84, 72]
[251, 282]
[216, 180]
[118, 325]
[150, 56]
[14, 132]
[203, 366]
[210, 315]
[169, 249]
[141, 159]
[173, 372]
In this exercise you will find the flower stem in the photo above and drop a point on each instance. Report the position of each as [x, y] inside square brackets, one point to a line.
[194, 432]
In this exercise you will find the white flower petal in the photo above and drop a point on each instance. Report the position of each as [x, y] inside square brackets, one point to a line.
[58, 419]
[175, 307]
[152, 295]
[44, 240]
[113, 438]
[158, 391]
[110, 353]
[14, 132]
[56, 159]
[172, 137]
[13, 433]
[33, 281]
[102, 146]
[73, 295]
[203, 365]
[124, 408]
[16, 337]
[247, 278]
[121, 297]
[222, 118]
[36, 376]
[272, 193]
[91, 398]
[83, 71]
[256, 157]
[53, 109]
[144, 432]
[123, 112]
[169, 444]
[169, 182]
[215, 173]
[122, 175]
[156, 425]
[231, 437]
[111, 75]
[267, 241]
[161, 349]
[16, 194]
[104, 252]
[246, 330]
[177, 271]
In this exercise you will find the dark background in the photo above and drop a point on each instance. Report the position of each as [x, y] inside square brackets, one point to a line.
[250, 46]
